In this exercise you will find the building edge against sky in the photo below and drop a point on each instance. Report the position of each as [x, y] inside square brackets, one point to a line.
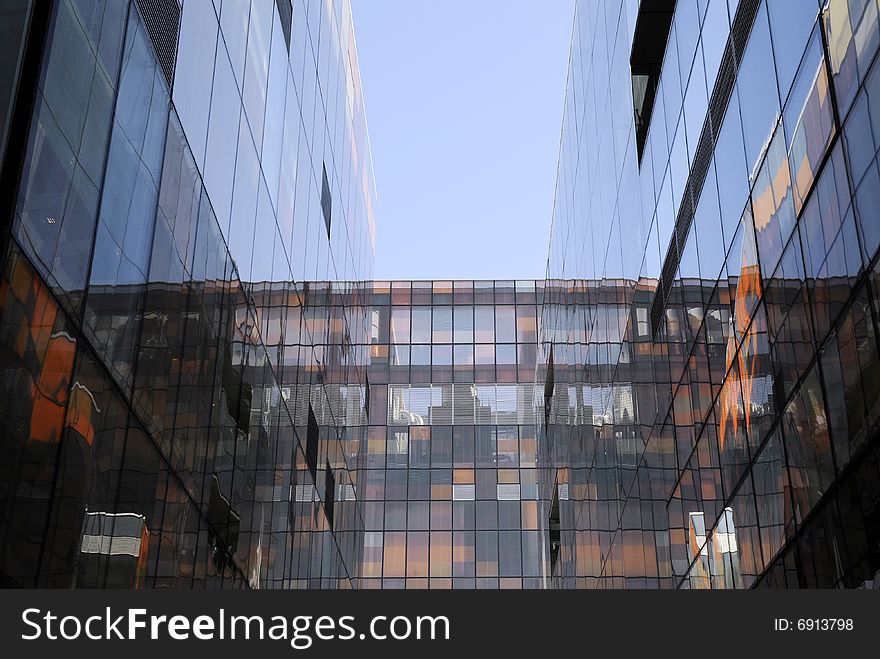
[156, 158]
[713, 276]
[200, 385]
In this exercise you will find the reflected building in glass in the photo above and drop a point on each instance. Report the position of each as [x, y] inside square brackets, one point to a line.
[157, 156]
[711, 376]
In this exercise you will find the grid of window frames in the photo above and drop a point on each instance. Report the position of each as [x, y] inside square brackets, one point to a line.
[754, 461]
[449, 478]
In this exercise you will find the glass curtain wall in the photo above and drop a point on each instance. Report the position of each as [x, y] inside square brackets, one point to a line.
[748, 317]
[146, 440]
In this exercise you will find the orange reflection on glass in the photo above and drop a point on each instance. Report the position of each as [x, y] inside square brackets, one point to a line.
[732, 401]
[38, 343]
[811, 135]
[748, 292]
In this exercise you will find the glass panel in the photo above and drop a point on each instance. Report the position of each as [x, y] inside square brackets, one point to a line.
[809, 122]
[421, 324]
[400, 324]
[772, 205]
[810, 460]
[757, 90]
[790, 26]
[441, 324]
[464, 324]
[484, 324]
[193, 73]
[505, 324]
[853, 37]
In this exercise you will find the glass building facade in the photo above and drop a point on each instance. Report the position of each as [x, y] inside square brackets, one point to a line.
[445, 449]
[160, 157]
[722, 242]
[202, 386]
[450, 480]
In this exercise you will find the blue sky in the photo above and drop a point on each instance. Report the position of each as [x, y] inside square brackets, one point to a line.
[464, 104]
